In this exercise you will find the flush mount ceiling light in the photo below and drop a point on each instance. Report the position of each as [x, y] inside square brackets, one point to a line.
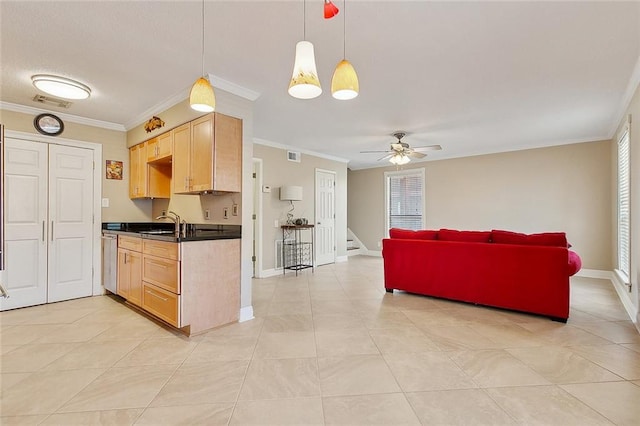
[60, 86]
[304, 82]
[330, 9]
[344, 84]
[201, 97]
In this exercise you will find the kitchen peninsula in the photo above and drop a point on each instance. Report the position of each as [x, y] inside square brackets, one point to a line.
[190, 281]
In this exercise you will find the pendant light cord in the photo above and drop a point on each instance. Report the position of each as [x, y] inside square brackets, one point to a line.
[203, 38]
[304, 20]
[344, 29]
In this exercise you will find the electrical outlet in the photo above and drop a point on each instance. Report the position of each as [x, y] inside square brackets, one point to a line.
[225, 212]
[276, 224]
[234, 209]
[207, 214]
[163, 213]
[379, 244]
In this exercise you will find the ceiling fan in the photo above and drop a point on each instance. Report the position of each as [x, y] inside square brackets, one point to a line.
[401, 153]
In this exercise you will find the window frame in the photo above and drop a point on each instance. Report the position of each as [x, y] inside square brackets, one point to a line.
[623, 266]
[409, 172]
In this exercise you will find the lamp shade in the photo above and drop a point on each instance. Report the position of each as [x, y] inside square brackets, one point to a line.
[60, 86]
[201, 97]
[304, 80]
[344, 84]
[291, 193]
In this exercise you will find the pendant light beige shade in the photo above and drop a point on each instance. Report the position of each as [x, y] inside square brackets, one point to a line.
[344, 84]
[201, 97]
[304, 81]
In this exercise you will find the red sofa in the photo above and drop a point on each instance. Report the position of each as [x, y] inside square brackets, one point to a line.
[528, 273]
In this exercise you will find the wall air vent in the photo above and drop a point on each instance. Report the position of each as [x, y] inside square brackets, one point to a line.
[50, 100]
[294, 156]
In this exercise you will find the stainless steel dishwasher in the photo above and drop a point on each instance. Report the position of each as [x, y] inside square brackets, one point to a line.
[109, 261]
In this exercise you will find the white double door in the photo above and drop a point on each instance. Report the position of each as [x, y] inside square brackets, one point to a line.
[48, 223]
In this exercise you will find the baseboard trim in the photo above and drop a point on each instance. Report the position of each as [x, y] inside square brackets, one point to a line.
[373, 253]
[595, 273]
[266, 273]
[354, 252]
[625, 298]
[342, 258]
[246, 314]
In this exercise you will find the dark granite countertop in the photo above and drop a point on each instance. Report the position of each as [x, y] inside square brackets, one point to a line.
[163, 231]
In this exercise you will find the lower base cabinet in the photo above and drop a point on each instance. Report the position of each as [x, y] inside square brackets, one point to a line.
[193, 285]
[161, 303]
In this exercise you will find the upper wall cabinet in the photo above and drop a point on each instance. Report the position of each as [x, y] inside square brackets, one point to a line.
[138, 171]
[211, 158]
[160, 148]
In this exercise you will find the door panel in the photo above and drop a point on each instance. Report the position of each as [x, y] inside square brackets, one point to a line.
[325, 218]
[71, 220]
[25, 204]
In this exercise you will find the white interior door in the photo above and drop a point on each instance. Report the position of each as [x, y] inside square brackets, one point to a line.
[325, 217]
[25, 204]
[70, 221]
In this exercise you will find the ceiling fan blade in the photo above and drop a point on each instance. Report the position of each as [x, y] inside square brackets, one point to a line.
[396, 146]
[389, 155]
[371, 152]
[415, 154]
[427, 148]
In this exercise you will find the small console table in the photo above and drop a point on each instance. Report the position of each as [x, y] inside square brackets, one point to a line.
[297, 253]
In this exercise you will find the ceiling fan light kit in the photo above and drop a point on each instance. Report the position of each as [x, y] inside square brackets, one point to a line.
[201, 96]
[61, 87]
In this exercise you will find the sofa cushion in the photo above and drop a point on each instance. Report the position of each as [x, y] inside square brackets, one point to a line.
[575, 263]
[555, 239]
[464, 236]
[409, 234]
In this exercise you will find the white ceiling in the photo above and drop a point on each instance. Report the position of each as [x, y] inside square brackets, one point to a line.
[474, 77]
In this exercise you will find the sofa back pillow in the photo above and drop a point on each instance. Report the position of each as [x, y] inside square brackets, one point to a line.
[409, 234]
[464, 236]
[553, 239]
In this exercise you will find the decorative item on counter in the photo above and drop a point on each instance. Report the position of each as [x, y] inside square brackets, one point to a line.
[153, 123]
[114, 169]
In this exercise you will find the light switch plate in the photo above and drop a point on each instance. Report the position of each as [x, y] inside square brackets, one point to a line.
[234, 209]
[225, 212]
[105, 202]
[266, 188]
[207, 214]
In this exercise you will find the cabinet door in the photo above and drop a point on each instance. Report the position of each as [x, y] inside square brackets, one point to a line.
[124, 273]
[134, 263]
[202, 154]
[165, 145]
[181, 154]
[152, 149]
[138, 171]
[227, 154]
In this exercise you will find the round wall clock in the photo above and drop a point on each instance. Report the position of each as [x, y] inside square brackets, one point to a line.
[48, 124]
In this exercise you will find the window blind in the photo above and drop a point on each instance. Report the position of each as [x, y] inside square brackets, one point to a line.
[623, 205]
[405, 203]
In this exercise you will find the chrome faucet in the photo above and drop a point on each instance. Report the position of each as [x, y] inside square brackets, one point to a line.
[175, 219]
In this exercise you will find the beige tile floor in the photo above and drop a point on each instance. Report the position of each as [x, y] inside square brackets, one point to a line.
[329, 347]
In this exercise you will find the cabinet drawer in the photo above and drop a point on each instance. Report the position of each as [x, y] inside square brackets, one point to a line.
[160, 249]
[163, 273]
[161, 303]
[130, 243]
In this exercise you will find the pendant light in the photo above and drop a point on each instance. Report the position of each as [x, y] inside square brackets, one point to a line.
[201, 97]
[304, 82]
[330, 9]
[344, 84]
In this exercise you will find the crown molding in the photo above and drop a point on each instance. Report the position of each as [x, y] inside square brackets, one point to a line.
[183, 94]
[233, 88]
[66, 117]
[298, 149]
[632, 86]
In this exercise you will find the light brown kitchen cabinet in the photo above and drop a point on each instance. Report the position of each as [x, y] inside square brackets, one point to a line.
[148, 180]
[160, 148]
[181, 157]
[129, 275]
[138, 171]
[212, 161]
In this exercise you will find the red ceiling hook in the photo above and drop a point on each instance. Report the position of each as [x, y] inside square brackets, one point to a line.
[330, 9]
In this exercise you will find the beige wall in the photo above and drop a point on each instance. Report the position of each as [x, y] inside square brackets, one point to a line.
[278, 171]
[565, 188]
[114, 147]
[632, 298]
